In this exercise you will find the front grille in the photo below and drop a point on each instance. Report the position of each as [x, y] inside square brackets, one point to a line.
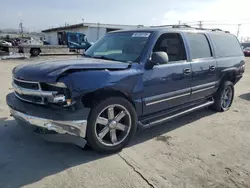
[29, 98]
[27, 85]
[40, 93]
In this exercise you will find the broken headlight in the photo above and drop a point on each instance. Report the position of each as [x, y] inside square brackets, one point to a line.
[63, 95]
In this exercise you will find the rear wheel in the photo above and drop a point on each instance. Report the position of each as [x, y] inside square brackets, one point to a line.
[35, 52]
[111, 125]
[224, 97]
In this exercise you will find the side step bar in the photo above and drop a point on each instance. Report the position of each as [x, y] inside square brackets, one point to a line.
[168, 118]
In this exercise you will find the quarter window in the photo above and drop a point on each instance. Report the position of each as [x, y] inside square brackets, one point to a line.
[199, 46]
[226, 45]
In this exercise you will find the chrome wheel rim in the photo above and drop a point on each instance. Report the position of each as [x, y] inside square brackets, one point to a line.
[226, 97]
[113, 125]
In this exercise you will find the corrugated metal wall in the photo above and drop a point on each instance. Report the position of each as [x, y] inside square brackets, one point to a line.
[92, 33]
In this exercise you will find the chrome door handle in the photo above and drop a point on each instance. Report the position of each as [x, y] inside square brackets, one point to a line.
[211, 67]
[187, 71]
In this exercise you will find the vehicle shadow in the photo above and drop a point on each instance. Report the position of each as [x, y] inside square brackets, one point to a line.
[26, 158]
[245, 96]
[153, 132]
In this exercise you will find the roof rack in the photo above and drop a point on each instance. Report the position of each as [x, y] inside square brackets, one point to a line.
[190, 27]
[213, 29]
[174, 26]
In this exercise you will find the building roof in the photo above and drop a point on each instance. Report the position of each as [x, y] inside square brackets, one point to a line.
[113, 26]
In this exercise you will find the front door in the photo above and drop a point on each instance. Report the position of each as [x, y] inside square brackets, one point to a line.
[203, 65]
[168, 85]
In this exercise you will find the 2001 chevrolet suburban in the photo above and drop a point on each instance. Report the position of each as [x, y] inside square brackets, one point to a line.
[128, 79]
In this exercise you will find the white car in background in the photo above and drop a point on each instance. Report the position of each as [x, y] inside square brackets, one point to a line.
[5, 43]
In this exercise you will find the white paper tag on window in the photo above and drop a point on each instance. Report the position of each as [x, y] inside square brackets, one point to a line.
[141, 35]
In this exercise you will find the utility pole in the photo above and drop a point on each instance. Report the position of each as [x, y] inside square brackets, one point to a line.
[200, 24]
[238, 30]
[98, 30]
[21, 28]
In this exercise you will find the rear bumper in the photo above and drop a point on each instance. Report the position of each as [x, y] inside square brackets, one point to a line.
[71, 121]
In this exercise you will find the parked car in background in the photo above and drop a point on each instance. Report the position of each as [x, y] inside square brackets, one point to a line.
[68, 41]
[245, 45]
[129, 79]
[5, 43]
[246, 51]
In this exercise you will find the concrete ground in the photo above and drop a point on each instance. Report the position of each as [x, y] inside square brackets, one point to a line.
[203, 149]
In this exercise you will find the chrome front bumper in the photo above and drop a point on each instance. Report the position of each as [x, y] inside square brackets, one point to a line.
[74, 128]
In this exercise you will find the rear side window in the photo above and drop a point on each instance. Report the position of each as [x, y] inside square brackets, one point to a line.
[226, 45]
[199, 46]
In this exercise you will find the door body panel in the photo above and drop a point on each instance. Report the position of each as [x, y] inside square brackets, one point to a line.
[203, 78]
[166, 86]
[203, 68]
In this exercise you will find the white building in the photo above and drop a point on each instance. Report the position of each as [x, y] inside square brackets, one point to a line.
[93, 31]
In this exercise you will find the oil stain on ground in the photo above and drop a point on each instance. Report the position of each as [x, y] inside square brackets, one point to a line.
[165, 139]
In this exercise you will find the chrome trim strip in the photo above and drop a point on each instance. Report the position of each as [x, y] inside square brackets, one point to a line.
[167, 99]
[25, 81]
[27, 100]
[204, 89]
[58, 126]
[179, 114]
[32, 92]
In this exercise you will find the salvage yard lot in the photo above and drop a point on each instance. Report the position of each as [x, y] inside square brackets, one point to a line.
[202, 149]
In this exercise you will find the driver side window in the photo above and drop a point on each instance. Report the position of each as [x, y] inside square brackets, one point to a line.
[172, 44]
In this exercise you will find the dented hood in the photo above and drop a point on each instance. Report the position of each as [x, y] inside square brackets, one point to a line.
[50, 71]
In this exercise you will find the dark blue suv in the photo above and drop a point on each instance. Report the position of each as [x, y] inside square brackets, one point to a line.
[128, 79]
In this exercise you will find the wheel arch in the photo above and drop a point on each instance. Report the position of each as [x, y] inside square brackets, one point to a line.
[229, 75]
[89, 99]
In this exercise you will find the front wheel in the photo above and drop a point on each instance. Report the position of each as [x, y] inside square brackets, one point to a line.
[111, 125]
[224, 97]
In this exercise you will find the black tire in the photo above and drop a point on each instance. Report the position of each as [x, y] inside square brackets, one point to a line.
[35, 52]
[92, 137]
[217, 106]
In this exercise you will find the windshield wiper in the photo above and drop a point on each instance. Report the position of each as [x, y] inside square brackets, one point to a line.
[85, 55]
[105, 57]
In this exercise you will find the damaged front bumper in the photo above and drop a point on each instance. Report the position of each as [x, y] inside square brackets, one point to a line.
[64, 121]
[61, 127]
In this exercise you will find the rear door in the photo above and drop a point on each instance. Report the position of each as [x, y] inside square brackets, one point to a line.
[203, 64]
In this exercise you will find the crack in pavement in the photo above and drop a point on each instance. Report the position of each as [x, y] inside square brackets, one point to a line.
[136, 171]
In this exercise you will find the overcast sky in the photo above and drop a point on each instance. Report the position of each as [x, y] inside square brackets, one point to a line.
[37, 15]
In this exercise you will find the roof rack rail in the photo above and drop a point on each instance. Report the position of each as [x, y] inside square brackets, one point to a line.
[190, 27]
[213, 29]
[174, 26]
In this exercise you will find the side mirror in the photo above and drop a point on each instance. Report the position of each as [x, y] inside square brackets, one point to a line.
[157, 58]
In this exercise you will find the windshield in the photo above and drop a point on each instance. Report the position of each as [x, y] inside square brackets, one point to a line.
[121, 46]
